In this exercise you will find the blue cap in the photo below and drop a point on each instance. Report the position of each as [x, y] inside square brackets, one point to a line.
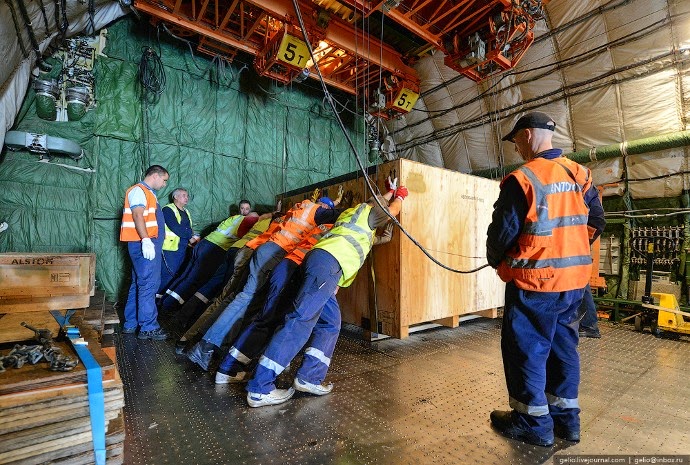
[327, 201]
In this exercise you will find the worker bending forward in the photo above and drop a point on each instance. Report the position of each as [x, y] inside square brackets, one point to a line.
[315, 318]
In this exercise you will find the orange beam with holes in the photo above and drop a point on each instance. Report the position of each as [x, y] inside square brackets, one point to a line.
[338, 33]
[397, 16]
[231, 10]
[193, 26]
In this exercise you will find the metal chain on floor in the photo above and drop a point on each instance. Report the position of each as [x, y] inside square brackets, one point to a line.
[32, 354]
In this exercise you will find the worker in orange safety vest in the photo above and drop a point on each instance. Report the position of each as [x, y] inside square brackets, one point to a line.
[143, 229]
[546, 213]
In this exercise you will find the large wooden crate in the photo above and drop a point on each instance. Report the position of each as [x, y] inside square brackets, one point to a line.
[448, 214]
[32, 282]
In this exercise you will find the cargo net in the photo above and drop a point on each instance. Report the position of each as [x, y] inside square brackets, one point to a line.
[667, 242]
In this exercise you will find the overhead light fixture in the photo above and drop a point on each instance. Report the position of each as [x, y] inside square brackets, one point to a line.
[302, 76]
[388, 5]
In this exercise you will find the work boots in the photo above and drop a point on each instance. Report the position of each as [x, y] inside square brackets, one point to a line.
[505, 424]
[316, 389]
[201, 354]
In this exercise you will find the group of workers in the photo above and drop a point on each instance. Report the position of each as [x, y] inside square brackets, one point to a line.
[547, 214]
[279, 275]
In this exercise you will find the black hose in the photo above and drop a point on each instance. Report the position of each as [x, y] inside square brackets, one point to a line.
[17, 30]
[151, 75]
[32, 36]
[45, 16]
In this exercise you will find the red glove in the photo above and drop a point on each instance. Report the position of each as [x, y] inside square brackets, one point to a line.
[401, 193]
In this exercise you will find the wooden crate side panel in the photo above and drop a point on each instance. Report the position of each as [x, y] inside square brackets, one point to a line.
[353, 300]
[33, 304]
[32, 282]
[46, 275]
[40, 280]
[387, 268]
[490, 290]
[430, 292]
[448, 213]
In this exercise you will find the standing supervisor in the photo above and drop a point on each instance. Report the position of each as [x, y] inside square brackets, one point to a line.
[539, 243]
[179, 234]
[143, 228]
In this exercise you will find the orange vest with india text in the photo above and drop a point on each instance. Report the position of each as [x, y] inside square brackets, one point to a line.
[552, 251]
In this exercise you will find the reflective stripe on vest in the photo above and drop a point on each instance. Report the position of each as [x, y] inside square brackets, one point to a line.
[264, 237]
[172, 240]
[226, 233]
[128, 231]
[259, 227]
[349, 241]
[299, 221]
[307, 244]
[552, 252]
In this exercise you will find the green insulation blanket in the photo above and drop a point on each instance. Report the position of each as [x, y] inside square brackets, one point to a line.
[224, 133]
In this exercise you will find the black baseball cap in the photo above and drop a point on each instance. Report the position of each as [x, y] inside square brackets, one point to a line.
[535, 119]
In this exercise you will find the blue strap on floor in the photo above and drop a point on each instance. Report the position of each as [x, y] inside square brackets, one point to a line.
[94, 383]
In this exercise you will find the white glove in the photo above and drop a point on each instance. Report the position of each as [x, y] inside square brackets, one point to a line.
[391, 184]
[147, 249]
[339, 199]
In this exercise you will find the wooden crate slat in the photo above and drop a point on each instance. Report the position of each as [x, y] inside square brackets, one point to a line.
[33, 282]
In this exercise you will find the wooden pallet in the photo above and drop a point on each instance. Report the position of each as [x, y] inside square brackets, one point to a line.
[45, 415]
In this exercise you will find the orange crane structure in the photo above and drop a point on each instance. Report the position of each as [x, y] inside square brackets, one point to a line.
[479, 37]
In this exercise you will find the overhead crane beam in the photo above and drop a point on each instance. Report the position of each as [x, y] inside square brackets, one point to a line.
[404, 19]
[350, 59]
[339, 33]
[195, 26]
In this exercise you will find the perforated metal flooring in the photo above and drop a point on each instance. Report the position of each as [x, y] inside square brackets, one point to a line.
[422, 400]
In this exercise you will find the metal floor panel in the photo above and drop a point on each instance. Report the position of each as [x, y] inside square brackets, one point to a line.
[422, 400]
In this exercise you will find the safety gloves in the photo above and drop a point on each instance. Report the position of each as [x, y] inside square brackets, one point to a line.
[391, 184]
[339, 199]
[401, 193]
[147, 249]
[315, 195]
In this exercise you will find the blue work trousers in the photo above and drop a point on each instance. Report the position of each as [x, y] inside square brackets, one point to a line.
[588, 310]
[140, 309]
[314, 320]
[171, 264]
[239, 277]
[542, 367]
[253, 339]
[206, 259]
[195, 305]
[216, 282]
[264, 259]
